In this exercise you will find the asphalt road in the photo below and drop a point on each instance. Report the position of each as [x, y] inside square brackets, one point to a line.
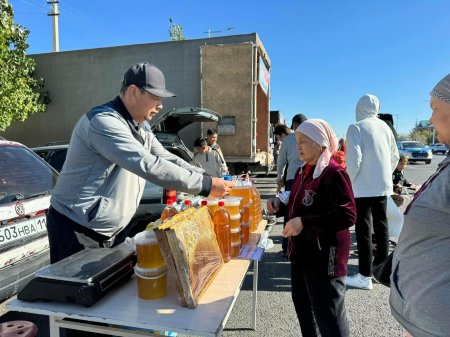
[367, 310]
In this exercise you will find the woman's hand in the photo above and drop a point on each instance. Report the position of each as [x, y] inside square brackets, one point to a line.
[293, 227]
[273, 205]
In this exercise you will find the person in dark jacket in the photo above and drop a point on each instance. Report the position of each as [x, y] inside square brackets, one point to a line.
[398, 178]
[321, 210]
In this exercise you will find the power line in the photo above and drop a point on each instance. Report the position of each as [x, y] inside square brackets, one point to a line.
[209, 32]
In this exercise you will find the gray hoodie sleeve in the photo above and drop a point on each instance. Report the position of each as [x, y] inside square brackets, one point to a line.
[112, 138]
[281, 161]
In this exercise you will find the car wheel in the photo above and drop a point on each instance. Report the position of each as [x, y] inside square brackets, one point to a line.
[428, 161]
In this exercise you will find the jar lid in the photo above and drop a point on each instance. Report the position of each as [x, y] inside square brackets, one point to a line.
[232, 202]
[150, 272]
[212, 201]
[242, 184]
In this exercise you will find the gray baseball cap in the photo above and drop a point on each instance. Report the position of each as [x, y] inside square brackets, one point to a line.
[148, 77]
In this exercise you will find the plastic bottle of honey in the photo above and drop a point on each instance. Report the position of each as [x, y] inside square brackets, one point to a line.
[221, 220]
[169, 211]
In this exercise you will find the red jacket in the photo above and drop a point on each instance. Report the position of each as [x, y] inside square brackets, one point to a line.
[327, 209]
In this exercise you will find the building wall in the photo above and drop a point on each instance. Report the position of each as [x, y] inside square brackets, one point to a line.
[227, 88]
[78, 80]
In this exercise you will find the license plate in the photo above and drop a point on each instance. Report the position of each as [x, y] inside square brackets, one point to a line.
[21, 230]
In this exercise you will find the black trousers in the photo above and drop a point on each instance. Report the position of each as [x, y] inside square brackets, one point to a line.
[371, 218]
[319, 302]
[284, 243]
[63, 240]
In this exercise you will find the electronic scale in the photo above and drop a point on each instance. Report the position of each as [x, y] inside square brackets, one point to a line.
[82, 278]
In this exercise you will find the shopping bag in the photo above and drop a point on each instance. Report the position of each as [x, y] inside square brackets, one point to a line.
[394, 218]
[382, 272]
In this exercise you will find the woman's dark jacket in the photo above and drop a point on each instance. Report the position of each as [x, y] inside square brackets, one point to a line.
[327, 209]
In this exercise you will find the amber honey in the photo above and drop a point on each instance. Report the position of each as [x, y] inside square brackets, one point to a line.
[256, 196]
[243, 191]
[221, 220]
[152, 283]
[235, 221]
[246, 213]
[169, 211]
[245, 233]
[235, 249]
[232, 205]
[149, 255]
[241, 201]
[148, 251]
[235, 235]
[212, 204]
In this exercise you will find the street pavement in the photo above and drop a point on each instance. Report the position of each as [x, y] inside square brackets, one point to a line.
[367, 310]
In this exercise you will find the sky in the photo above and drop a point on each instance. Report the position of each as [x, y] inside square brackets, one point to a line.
[325, 54]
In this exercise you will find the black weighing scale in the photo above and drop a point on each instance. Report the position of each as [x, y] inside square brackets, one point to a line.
[82, 278]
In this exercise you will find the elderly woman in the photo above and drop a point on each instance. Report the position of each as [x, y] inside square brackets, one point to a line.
[321, 209]
[420, 282]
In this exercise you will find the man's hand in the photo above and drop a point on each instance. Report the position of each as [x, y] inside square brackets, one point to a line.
[220, 187]
[280, 185]
[273, 205]
[293, 227]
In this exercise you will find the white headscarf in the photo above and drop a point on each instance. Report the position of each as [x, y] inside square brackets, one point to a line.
[321, 133]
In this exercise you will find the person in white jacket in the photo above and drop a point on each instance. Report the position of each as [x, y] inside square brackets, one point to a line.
[371, 157]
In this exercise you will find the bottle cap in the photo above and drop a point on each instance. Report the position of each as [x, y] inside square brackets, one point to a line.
[187, 202]
[221, 203]
[204, 203]
[227, 178]
[170, 202]
[150, 226]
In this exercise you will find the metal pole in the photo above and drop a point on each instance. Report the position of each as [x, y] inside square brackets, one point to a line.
[396, 122]
[55, 26]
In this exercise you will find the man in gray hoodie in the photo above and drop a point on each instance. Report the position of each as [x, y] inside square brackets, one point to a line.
[371, 157]
[112, 153]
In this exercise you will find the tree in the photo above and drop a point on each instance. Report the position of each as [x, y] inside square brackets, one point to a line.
[421, 135]
[18, 95]
[175, 31]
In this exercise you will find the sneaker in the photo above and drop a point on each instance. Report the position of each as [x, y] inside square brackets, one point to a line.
[359, 281]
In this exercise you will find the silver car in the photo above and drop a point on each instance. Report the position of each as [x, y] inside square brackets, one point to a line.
[25, 186]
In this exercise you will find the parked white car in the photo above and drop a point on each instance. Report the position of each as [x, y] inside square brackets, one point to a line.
[439, 148]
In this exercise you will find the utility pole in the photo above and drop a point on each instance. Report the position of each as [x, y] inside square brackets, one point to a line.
[55, 29]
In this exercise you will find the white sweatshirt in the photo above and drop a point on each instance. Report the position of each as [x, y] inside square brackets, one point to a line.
[372, 153]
